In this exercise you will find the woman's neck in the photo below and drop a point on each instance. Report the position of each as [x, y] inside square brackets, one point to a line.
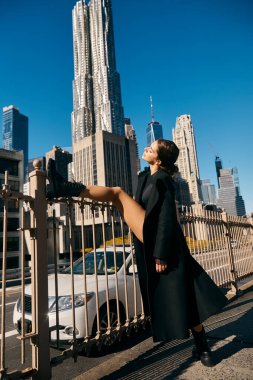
[153, 169]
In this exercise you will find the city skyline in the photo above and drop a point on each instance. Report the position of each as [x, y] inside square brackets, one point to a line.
[202, 71]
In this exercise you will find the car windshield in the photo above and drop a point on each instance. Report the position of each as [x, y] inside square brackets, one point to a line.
[89, 263]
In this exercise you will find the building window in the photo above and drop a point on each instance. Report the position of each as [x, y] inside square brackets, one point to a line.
[11, 262]
[12, 224]
[12, 204]
[12, 244]
[10, 165]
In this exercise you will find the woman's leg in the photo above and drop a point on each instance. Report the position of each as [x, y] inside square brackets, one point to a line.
[130, 210]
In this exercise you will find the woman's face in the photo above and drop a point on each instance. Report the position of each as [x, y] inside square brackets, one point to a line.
[150, 153]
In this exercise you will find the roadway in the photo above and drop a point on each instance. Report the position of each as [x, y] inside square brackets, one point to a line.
[66, 370]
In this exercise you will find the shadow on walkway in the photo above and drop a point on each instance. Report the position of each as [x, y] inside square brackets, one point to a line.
[169, 360]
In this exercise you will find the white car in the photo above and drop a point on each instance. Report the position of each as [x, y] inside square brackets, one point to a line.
[64, 295]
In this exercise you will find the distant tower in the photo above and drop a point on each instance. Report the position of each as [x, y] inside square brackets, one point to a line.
[154, 129]
[183, 136]
[15, 133]
[229, 197]
[130, 134]
[218, 166]
[13, 162]
[208, 192]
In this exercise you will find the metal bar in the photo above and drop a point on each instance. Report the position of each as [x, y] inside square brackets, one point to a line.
[134, 279]
[72, 272]
[17, 195]
[84, 273]
[233, 279]
[98, 332]
[33, 281]
[56, 280]
[125, 272]
[23, 287]
[215, 247]
[106, 272]
[3, 313]
[192, 230]
[116, 271]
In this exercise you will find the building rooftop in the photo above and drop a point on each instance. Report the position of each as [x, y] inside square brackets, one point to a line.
[11, 107]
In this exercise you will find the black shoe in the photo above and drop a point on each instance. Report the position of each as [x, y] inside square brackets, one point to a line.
[58, 186]
[201, 351]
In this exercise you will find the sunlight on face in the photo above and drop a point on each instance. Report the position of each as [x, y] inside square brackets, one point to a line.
[150, 153]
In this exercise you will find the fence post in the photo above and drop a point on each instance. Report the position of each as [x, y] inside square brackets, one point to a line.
[234, 286]
[40, 345]
[250, 221]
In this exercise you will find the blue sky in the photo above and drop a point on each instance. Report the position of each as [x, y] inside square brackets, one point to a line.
[192, 56]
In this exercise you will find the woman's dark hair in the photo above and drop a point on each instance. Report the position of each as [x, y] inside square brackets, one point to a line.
[168, 153]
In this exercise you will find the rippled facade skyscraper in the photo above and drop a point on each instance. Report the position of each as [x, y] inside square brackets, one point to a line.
[102, 155]
[97, 103]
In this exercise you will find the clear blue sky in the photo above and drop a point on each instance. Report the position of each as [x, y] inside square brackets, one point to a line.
[192, 56]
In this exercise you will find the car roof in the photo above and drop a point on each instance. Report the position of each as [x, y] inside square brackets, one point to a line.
[111, 248]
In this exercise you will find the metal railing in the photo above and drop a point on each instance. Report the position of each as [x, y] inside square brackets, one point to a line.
[97, 301]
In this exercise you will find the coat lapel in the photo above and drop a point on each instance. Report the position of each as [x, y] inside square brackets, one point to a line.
[154, 196]
[141, 182]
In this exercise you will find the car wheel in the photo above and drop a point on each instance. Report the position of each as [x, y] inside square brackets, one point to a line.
[104, 319]
[110, 339]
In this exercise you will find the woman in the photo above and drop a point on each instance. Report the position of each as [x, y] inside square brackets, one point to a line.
[177, 293]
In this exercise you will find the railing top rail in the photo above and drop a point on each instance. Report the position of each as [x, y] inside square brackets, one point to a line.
[80, 201]
[16, 195]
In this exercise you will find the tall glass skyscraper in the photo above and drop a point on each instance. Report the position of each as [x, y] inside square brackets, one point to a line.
[218, 167]
[229, 197]
[208, 192]
[154, 130]
[97, 103]
[15, 133]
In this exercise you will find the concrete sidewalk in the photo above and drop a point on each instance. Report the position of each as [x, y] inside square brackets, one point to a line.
[230, 336]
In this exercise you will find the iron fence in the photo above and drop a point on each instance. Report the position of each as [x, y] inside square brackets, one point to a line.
[96, 300]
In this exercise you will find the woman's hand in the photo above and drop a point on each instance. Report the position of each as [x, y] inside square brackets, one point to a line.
[160, 265]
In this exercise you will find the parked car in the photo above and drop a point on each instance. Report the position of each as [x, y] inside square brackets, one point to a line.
[64, 295]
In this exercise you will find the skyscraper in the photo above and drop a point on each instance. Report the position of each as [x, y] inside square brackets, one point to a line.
[102, 155]
[183, 136]
[96, 86]
[15, 132]
[154, 129]
[208, 192]
[13, 162]
[218, 167]
[130, 134]
[229, 197]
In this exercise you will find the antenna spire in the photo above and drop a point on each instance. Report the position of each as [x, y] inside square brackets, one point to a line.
[152, 109]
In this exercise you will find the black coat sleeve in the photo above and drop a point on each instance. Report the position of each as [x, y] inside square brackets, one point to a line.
[167, 223]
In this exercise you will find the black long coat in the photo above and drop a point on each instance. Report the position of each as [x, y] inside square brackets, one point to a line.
[184, 295]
